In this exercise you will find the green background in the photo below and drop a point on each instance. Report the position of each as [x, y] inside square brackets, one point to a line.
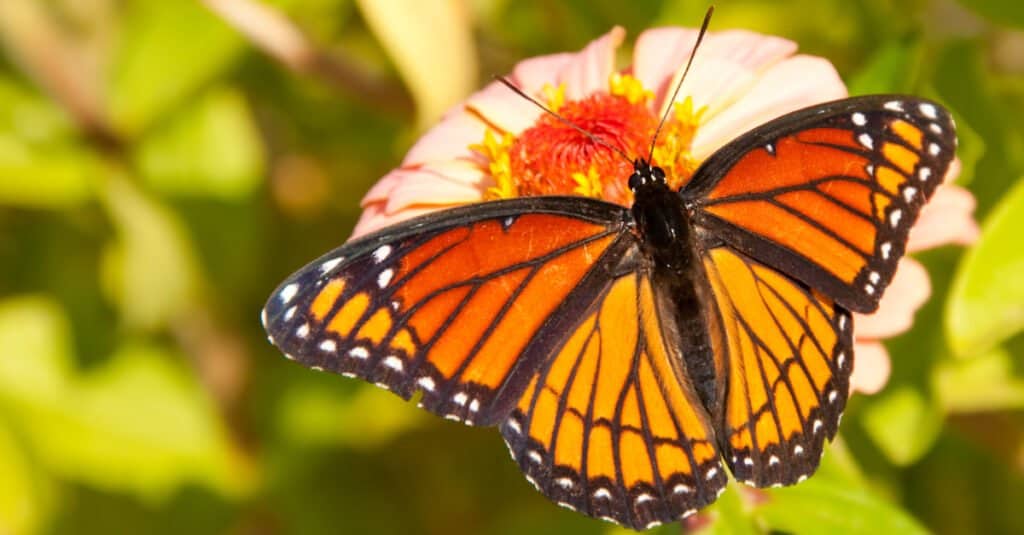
[160, 174]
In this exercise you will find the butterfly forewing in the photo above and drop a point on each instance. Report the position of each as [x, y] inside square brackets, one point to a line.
[609, 425]
[452, 305]
[828, 194]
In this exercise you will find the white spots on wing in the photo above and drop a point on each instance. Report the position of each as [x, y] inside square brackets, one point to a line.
[711, 473]
[869, 289]
[885, 249]
[681, 489]
[643, 498]
[909, 193]
[288, 292]
[394, 363]
[893, 105]
[290, 313]
[859, 119]
[359, 352]
[474, 406]
[770, 148]
[817, 425]
[865, 139]
[748, 461]
[329, 346]
[934, 149]
[317, 368]
[832, 395]
[385, 277]
[895, 216]
[512, 424]
[567, 505]
[460, 399]
[534, 456]
[607, 518]
[924, 173]
[350, 375]
[385, 386]
[507, 222]
[842, 359]
[652, 524]
[427, 383]
[532, 481]
[564, 482]
[720, 492]
[452, 417]
[302, 331]
[935, 128]
[928, 110]
[329, 265]
[688, 513]
[289, 357]
[870, 168]
[381, 253]
[874, 277]
[602, 493]
[263, 319]
[842, 321]
[802, 478]
[773, 460]
[776, 485]
[798, 450]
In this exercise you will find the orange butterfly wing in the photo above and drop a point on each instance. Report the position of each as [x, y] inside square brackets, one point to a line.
[610, 425]
[455, 306]
[828, 194]
[789, 356]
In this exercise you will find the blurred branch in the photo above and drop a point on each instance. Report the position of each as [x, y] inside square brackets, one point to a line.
[278, 37]
[57, 63]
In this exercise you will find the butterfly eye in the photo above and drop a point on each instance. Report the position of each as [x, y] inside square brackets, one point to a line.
[636, 180]
[658, 173]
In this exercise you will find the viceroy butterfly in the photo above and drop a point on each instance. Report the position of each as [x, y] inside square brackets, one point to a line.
[625, 353]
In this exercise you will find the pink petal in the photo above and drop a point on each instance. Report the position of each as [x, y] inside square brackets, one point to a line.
[532, 74]
[503, 108]
[871, 367]
[590, 70]
[659, 54]
[448, 183]
[948, 218]
[907, 292]
[450, 139]
[373, 218]
[787, 86]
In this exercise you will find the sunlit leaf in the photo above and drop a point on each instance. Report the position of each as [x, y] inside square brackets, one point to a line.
[1008, 12]
[211, 149]
[151, 270]
[24, 493]
[890, 70]
[362, 419]
[903, 423]
[431, 43]
[141, 424]
[986, 303]
[34, 342]
[168, 50]
[988, 382]
[729, 515]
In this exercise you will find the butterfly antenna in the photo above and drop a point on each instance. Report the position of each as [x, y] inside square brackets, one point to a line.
[563, 120]
[672, 101]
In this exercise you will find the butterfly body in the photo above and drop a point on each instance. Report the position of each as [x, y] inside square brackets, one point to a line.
[630, 356]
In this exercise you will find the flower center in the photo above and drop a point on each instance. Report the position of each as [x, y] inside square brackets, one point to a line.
[553, 158]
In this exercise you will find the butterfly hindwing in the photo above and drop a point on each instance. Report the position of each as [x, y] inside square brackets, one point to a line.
[453, 305]
[789, 357]
[828, 194]
[610, 426]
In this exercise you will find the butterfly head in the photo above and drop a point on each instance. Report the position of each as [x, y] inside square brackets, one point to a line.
[645, 175]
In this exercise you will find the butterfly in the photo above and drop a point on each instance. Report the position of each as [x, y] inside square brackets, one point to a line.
[630, 356]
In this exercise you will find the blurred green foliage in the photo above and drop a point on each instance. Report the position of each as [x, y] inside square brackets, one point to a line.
[160, 173]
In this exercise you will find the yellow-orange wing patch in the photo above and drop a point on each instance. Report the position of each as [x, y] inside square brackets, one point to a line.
[789, 357]
[453, 305]
[829, 194]
[610, 426]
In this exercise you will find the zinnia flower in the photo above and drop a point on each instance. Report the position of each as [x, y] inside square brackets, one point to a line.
[498, 145]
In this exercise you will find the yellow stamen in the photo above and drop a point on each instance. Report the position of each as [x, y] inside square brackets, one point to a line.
[625, 86]
[495, 151]
[555, 96]
[675, 143]
[588, 185]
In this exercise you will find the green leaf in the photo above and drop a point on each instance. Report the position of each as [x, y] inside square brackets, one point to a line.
[211, 149]
[25, 495]
[986, 304]
[41, 163]
[890, 70]
[729, 515]
[34, 335]
[1007, 12]
[987, 382]
[819, 505]
[903, 422]
[167, 52]
[139, 423]
[151, 271]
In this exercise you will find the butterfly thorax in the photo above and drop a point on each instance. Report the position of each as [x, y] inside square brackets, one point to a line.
[664, 228]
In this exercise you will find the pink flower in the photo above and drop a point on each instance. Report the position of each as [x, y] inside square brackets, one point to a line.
[739, 80]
